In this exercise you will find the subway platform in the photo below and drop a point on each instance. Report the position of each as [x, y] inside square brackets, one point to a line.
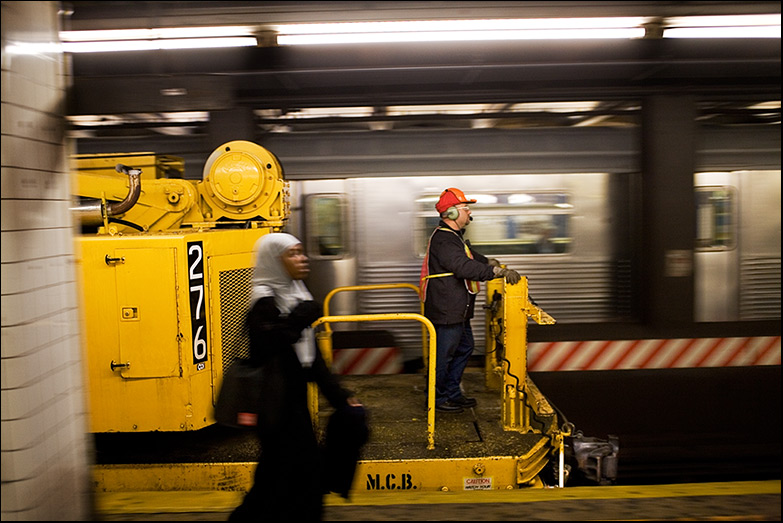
[730, 501]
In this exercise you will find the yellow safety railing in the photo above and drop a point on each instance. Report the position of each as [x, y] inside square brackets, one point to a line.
[326, 320]
[381, 286]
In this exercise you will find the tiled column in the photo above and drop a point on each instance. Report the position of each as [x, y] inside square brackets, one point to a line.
[46, 454]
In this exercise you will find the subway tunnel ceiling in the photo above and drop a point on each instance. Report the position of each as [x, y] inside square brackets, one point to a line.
[387, 87]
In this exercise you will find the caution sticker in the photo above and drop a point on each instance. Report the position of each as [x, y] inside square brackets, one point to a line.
[477, 483]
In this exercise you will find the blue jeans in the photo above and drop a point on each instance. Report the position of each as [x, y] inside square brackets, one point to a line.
[454, 344]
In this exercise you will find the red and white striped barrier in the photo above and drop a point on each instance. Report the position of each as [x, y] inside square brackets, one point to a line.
[653, 354]
[375, 360]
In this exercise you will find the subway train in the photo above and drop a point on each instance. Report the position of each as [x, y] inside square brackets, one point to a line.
[575, 236]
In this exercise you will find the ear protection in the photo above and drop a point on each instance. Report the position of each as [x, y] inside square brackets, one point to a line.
[452, 213]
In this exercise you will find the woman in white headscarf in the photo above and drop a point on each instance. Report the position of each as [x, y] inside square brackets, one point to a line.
[288, 482]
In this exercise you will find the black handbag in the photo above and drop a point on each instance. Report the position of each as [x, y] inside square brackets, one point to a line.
[239, 399]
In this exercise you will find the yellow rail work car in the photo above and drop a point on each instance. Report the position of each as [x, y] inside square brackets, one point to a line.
[165, 280]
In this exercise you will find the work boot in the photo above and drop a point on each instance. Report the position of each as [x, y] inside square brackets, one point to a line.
[448, 406]
[465, 402]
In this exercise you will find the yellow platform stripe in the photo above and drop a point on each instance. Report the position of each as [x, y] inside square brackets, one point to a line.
[221, 501]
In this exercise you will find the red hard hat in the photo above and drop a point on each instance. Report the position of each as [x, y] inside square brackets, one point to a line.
[451, 197]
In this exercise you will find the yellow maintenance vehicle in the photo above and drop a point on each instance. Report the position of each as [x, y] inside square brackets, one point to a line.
[165, 274]
[162, 279]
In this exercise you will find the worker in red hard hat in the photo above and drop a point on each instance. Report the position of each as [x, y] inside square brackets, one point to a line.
[449, 283]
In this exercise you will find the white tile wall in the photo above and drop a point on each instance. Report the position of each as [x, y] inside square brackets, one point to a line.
[46, 454]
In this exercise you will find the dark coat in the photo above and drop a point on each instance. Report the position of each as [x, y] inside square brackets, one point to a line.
[289, 479]
[272, 336]
[448, 300]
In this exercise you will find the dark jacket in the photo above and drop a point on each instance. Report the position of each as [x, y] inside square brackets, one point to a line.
[272, 336]
[448, 300]
[290, 478]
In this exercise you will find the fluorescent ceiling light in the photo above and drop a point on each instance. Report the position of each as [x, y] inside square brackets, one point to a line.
[177, 117]
[478, 109]
[458, 36]
[724, 21]
[737, 26]
[152, 45]
[460, 25]
[409, 110]
[316, 112]
[154, 39]
[741, 26]
[459, 30]
[555, 107]
[723, 32]
[162, 33]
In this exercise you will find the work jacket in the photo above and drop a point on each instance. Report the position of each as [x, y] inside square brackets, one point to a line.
[448, 300]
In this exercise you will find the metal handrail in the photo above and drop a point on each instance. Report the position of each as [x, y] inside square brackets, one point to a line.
[381, 286]
[326, 320]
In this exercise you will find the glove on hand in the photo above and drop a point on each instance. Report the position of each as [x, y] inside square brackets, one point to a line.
[510, 275]
[493, 262]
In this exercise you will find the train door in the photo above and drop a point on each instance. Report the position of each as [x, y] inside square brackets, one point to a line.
[737, 258]
[759, 245]
[716, 257]
[328, 244]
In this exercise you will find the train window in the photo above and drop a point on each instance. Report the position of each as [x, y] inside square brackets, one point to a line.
[715, 207]
[534, 222]
[326, 232]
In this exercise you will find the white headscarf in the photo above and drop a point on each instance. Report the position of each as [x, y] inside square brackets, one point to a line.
[270, 278]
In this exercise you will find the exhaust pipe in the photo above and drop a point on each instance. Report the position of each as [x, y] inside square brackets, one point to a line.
[92, 212]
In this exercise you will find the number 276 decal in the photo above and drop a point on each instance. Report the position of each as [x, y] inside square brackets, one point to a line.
[198, 308]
